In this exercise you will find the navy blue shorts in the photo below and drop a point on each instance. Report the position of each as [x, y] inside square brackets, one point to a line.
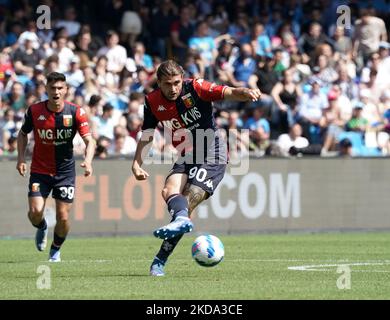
[205, 176]
[41, 185]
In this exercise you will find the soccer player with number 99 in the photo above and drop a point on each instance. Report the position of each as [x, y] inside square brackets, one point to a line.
[54, 123]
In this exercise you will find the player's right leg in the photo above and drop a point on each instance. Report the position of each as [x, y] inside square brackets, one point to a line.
[35, 214]
[177, 207]
[39, 189]
[63, 193]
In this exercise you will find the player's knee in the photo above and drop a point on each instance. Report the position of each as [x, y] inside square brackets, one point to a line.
[35, 212]
[62, 220]
[166, 192]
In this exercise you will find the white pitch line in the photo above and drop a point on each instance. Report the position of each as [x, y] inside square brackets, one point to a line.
[83, 261]
[323, 267]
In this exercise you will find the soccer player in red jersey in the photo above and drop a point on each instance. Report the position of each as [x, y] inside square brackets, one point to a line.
[185, 107]
[54, 123]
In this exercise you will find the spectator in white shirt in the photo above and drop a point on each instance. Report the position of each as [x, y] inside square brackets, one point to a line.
[115, 53]
[69, 21]
[292, 139]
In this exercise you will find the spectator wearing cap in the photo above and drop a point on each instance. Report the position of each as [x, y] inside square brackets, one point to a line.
[332, 122]
[345, 148]
[310, 110]
[357, 123]
[384, 49]
[115, 53]
[75, 76]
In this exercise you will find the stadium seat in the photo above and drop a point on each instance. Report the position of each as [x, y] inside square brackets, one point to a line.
[358, 146]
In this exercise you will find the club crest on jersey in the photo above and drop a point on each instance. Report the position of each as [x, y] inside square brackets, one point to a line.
[67, 120]
[35, 187]
[188, 100]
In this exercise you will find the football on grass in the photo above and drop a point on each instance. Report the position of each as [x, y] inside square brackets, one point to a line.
[208, 250]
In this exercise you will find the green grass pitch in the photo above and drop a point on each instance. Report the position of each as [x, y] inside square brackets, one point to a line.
[267, 266]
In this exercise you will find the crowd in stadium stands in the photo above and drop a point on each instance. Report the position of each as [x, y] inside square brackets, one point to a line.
[325, 87]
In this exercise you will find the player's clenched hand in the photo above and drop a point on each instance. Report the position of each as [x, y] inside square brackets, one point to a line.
[253, 94]
[139, 173]
[21, 166]
[242, 94]
[87, 168]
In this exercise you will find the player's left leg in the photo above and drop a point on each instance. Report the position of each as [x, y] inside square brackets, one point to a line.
[194, 196]
[63, 193]
[61, 229]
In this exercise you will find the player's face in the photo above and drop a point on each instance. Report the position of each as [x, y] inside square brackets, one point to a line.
[171, 86]
[56, 92]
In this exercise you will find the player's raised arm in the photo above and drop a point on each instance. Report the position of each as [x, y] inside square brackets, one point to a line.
[242, 94]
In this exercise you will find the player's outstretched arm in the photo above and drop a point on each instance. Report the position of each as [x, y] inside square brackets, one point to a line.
[144, 141]
[242, 94]
[22, 141]
[89, 153]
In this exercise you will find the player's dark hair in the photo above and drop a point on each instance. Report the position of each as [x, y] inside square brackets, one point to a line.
[169, 68]
[55, 76]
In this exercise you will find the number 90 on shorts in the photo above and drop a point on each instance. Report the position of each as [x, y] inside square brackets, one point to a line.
[206, 176]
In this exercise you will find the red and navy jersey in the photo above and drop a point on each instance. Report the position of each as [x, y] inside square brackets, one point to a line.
[53, 136]
[191, 111]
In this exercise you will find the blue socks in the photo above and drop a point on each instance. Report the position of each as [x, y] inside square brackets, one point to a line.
[57, 242]
[42, 225]
[167, 248]
[177, 206]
